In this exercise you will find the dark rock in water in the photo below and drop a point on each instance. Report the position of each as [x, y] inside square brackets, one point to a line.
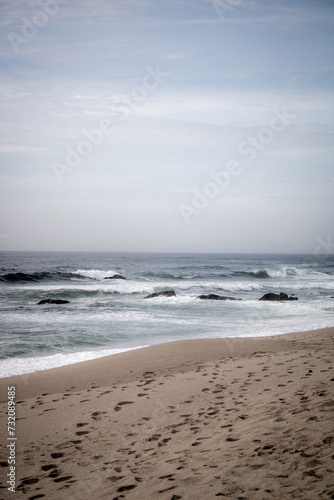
[277, 297]
[213, 296]
[166, 293]
[53, 301]
[115, 277]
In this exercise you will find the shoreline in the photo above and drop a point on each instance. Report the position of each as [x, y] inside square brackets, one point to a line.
[127, 350]
[234, 417]
[113, 363]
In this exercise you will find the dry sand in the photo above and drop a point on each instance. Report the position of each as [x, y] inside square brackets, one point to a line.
[196, 419]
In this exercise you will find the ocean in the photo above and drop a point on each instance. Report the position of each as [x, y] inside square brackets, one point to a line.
[107, 316]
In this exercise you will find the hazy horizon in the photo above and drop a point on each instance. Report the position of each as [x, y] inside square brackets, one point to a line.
[314, 255]
[180, 126]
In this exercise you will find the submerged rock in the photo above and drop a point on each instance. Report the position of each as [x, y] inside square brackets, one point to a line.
[213, 296]
[53, 301]
[166, 293]
[277, 297]
[115, 277]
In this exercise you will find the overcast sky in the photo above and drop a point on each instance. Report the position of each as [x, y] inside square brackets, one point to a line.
[166, 125]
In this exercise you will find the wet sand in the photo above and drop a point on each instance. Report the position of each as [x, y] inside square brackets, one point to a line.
[243, 419]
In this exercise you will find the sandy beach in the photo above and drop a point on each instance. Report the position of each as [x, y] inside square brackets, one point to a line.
[243, 419]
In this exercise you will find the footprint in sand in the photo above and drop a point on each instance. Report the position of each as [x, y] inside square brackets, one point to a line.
[114, 479]
[126, 488]
[155, 437]
[54, 473]
[119, 405]
[96, 415]
[170, 477]
[61, 479]
[29, 480]
[48, 467]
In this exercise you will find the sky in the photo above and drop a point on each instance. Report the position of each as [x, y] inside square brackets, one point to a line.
[167, 125]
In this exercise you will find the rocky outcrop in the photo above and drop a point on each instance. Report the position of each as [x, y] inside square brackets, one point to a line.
[166, 293]
[115, 277]
[213, 296]
[277, 297]
[52, 301]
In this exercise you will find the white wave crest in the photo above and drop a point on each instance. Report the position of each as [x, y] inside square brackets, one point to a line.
[287, 271]
[20, 366]
[95, 274]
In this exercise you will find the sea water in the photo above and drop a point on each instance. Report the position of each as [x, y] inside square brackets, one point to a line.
[107, 316]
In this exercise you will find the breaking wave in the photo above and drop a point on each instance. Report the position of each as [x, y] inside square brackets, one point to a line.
[21, 277]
